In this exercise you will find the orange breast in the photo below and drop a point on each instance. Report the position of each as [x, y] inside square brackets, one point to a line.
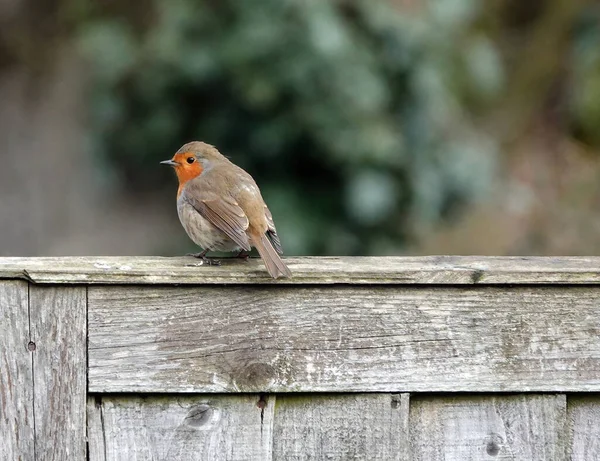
[186, 172]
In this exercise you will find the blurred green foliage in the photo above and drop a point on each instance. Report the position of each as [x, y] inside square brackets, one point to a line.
[350, 116]
[585, 62]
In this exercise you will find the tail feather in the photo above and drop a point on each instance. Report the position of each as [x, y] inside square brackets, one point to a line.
[275, 266]
[274, 238]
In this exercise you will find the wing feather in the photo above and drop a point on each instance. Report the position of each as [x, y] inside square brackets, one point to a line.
[224, 213]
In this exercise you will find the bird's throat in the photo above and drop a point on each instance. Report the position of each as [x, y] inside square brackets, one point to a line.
[186, 173]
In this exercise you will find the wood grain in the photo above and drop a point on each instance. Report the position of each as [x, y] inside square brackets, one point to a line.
[216, 428]
[438, 270]
[96, 443]
[584, 419]
[340, 427]
[344, 339]
[474, 428]
[58, 330]
[16, 374]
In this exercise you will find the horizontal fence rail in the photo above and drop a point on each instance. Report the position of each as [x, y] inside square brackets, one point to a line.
[436, 270]
[433, 358]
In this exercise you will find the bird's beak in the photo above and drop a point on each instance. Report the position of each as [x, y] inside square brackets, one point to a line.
[169, 162]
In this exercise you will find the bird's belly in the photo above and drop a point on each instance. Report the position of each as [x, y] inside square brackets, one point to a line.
[202, 232]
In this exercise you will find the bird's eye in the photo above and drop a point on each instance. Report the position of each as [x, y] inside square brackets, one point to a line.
[191, 160]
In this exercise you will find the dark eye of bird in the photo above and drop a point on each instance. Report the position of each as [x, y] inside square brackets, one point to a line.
[191, 159]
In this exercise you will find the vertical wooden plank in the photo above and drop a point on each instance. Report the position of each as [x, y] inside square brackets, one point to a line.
[211, 427]
[340, 427]
[16, 378]
[404, 452]
[584, 418]
[58, 330]
[517, 427]
[95, 429]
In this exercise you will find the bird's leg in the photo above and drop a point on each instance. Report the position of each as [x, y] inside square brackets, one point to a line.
[200, 255]
[205, 260]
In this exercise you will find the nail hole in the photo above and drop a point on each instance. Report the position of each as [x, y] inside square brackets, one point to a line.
[262, 402]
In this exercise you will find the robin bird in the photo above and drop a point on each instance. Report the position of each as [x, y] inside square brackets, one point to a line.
[221, 208]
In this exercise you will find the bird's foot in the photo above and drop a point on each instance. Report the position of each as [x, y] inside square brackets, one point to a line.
[211, 261]
[206, 261]
[245, 255]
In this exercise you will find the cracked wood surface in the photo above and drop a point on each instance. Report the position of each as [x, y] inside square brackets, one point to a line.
[344, 339]
[452, 270]
[236, 428]
[341, 427]
[210, 427]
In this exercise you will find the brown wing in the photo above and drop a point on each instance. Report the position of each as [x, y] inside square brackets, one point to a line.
[222, 212]
[272, 232]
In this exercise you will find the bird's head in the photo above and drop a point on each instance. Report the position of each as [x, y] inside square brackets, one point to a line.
[192, 159]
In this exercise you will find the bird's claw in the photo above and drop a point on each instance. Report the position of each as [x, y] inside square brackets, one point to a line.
[206, 261]
[210, 261]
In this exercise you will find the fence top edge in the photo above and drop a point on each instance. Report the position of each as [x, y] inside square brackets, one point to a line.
[393, 270]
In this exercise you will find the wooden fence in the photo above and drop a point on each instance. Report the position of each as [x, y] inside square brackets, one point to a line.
[437, 358]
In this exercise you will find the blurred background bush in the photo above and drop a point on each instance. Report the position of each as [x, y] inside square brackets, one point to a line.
[372, 128]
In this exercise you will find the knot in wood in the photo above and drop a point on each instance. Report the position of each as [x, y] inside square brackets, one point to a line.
[255, 377]
[493, 444]
[199, 415]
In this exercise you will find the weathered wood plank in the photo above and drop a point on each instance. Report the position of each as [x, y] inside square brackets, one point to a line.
[403, 400]
[341, 427]
[474, 428]
[584, 419]
[453, 270]
[58, 331]
[214, 427]
[95, 430]
[16, 375]
[344, 339]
